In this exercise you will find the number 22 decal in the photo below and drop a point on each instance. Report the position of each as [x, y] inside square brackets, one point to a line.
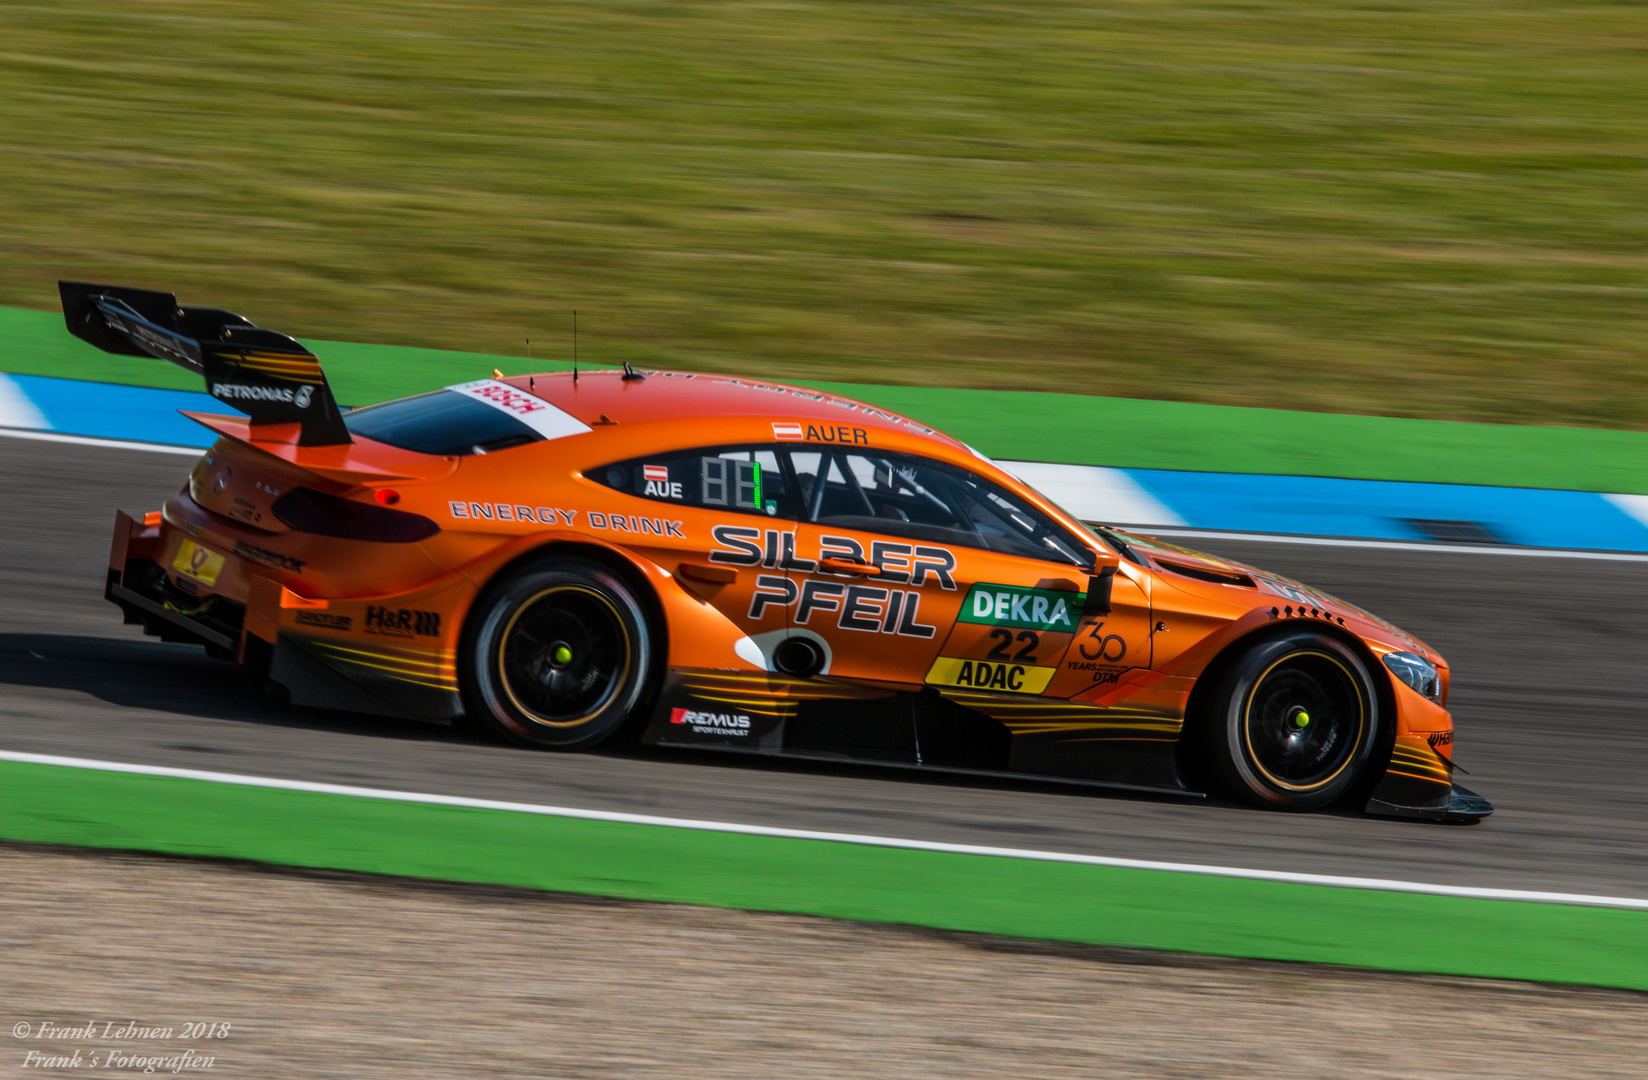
[1004, 638]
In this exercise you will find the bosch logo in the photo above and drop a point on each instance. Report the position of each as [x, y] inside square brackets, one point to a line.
[508, 397]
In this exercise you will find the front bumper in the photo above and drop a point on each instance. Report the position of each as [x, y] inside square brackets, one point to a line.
[1419, 783]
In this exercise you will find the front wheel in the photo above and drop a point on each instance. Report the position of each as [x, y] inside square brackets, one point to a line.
[558, 655]
[1297, 722]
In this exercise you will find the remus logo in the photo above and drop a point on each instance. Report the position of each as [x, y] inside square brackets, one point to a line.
[709, 723]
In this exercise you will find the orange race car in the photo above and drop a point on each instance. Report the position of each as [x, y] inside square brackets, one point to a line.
[732, 564]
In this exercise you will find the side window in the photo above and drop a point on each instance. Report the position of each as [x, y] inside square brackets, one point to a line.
[926, 500]
[745, 480]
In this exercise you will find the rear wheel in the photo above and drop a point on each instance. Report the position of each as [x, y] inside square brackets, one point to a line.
[1296, 722]
[558, 656]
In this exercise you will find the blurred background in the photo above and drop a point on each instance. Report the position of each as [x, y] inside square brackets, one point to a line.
[1425, 209]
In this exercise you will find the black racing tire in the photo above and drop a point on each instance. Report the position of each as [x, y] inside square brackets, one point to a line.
[1294, 724]
[557, 654]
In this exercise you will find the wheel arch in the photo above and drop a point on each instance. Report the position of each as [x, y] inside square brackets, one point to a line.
[621, 563]
[1200, 709]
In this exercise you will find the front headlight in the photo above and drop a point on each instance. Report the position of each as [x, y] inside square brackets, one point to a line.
[1417, 672]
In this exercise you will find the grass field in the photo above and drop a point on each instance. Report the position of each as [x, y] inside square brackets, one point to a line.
[1431, 209]
[1055, 901]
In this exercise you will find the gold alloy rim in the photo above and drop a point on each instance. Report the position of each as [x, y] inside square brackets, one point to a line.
[1247, 722]
[606, 698]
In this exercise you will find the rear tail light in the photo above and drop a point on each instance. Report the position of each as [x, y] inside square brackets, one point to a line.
[310, 511]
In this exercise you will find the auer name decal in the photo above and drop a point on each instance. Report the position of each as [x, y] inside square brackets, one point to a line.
[824, 433]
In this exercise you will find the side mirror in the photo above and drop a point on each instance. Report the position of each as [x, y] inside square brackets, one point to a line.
[1098, 591]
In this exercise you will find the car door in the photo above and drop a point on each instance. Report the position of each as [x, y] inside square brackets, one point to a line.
[918, 572]
[741, 515]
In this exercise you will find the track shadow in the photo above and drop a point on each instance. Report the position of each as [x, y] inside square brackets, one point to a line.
[181, 679]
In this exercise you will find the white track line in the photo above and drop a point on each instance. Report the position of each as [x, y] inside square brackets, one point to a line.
[1375, 884]
[1390, 545]
[112, 444]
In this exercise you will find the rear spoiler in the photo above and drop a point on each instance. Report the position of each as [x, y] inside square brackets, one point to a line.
[266, 375]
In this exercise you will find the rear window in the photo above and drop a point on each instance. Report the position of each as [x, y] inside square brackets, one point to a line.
[442, 423]
[746, 480]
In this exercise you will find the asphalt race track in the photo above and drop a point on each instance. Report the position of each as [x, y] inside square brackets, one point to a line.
[1549, 690]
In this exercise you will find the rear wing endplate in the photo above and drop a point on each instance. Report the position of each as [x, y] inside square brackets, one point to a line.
[266, 375]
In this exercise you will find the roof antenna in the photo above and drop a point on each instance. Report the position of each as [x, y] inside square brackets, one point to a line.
[574, 346]
[630, 374]
[531, 384]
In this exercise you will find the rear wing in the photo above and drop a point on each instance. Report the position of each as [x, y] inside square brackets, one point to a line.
[266, 375]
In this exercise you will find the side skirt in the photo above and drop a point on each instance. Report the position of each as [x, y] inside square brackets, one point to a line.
[817, 720]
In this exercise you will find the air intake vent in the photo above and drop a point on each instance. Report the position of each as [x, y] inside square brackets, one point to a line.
[1202, 573]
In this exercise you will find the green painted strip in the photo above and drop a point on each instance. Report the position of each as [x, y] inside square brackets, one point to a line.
[1021, 898]
[1068, 428]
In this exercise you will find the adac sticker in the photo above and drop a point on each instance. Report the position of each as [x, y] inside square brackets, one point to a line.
[1021, 608]
[987, 675]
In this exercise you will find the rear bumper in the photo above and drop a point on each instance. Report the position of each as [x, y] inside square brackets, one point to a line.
[323, 653]
[167, 623]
